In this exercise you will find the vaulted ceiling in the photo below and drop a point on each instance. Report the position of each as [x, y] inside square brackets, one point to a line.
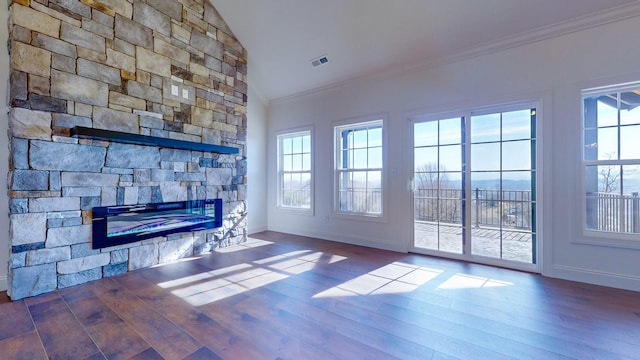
[362, 37]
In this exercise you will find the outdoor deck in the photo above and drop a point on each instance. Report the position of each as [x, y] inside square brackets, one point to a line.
[516, 245]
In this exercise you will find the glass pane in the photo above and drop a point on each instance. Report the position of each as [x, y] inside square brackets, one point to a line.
[287, 163]
[486, 241]
[359, 180]
[297, 162]
[592, 205]
[286, 181]
[516, 125]
[345, 180]
[608, 143]
[629, 138]
[344, 160]
[450, 132]
[305, 181]
[346, 139]
[516, 155]
[591, 144]
[608, 179]
[306, 143]
[374, 192]
[426, 159]
[306, 162]
[427, 183]
[360, 139]
[296, 144]
[345, 200]
[517, 240]
[485, 157]
[631, 179]
[426, 234]
[375, 137]
[517, 215]
[486, 180]
[286, 146]
[374, 181]
[591, 180]
[607, 110]
[450, 238]
[296, 182]
[485, 128]
[450, 186]
[425, 204]
[375, 157]
[451, 158]
[425, 134]
[631, 115]
[485, 197]
[450, 211]
[519, 182]
[359, 158]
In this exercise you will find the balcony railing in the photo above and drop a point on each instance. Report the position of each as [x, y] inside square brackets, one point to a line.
[506, 208]
[296, 198]
[361, 200]
[613, 212]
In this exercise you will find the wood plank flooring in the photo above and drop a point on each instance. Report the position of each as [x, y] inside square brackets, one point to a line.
[281, 296]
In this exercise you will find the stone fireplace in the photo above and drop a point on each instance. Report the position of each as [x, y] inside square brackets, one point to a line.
[152, 68]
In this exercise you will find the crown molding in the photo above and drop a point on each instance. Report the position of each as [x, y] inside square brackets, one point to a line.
[585, 22]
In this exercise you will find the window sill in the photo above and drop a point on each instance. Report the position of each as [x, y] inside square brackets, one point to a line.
[360, 217]
[307, 212]
[608, 239]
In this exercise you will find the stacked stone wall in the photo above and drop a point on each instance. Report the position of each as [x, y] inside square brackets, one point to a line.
[169, 69]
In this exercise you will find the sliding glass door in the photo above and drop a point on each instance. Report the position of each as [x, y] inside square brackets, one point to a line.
[474, 186]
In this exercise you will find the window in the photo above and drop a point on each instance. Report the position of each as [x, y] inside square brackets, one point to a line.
[359, 168]
[612, 159]
[294, 170]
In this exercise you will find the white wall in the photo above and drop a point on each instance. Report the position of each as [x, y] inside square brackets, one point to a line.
[4, 148]
[551, 71]
[256, 163]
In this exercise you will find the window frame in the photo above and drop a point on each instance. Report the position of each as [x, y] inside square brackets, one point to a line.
[358, 124]
[593, 236]
[293, 133]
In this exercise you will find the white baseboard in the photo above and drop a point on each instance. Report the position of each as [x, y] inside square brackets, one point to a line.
[345, 238]
[604, 278]
[3, 282]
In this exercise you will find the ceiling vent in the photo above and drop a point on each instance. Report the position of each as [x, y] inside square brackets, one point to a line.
[320, 61]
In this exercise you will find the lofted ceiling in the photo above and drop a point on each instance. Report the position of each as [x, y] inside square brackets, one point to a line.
[362, 37]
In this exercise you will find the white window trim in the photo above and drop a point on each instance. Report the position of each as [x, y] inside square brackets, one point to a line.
[291, 133]
[359, 121]
[595, 237]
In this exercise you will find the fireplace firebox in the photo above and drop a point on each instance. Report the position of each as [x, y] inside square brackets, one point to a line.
[117, 225]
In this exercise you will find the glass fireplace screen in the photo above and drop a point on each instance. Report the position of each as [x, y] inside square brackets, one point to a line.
[116, 225]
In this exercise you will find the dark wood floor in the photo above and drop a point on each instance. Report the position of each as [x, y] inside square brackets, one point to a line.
[288, 297]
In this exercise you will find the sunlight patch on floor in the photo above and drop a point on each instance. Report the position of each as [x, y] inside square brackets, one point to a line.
[179, 260]
[207, 287]
[394, 278]
[464, 281]
[249, 244]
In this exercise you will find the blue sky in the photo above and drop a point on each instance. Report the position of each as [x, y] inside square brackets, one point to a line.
[486, 155]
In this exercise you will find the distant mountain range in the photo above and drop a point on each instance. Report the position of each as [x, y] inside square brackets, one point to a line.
[494, 184]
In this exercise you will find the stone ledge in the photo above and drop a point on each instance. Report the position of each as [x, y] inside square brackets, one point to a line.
[127, 138]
